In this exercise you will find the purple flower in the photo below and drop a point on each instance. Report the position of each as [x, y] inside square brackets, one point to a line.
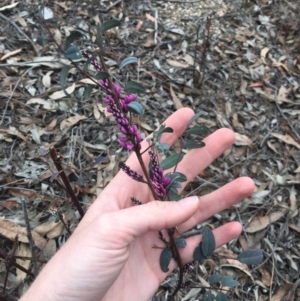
[131, 173]
[159, 181]
[119, 108]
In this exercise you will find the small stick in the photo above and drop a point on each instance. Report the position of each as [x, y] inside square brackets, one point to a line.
[30, 239]
[21, 32]
[10, 262]
[65, 180]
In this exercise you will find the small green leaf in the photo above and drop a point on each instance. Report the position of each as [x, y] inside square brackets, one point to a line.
[229, 282]
[162, 147]
[251, 256]
[135, 88]
[109, 25]
[165, 259]
[171, 161]
[102, 75]
[192, 144]
[174, 184]
[99, 39]
[73, 53]
[42, 40]
[180, 242]
[75, 34]
[88, 92]
[195, 117]
[127, 61]
[136, 108]
[208, 296]
[178, 176]
[198, 255]
[163, 129]
[221, 297]
[208, 242]
[215, 278]
[198, 130]
[63, 76]
[174, 197]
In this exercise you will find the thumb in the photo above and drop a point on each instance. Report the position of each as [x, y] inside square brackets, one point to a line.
[153, 216]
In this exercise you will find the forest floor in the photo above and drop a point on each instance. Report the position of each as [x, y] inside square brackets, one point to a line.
[239, 61]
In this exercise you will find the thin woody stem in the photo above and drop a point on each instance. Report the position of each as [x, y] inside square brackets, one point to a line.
[65, 180]
[140, 159]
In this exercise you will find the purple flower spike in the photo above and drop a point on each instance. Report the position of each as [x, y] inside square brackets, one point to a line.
[159, 181]
[131, 173]
[119, 108]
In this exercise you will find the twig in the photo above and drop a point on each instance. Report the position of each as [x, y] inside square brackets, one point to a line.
[110, 6]
[30, 239]
[13, 91]
[279, 109]
[10, 262]
[4, 256]
[63, 222]
[22, 33]
[65, 180]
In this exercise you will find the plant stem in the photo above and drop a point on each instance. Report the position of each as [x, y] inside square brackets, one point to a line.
[177, 257]
[64, 178]
[140, 159]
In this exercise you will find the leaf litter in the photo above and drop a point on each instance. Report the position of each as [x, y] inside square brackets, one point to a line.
[246, 78]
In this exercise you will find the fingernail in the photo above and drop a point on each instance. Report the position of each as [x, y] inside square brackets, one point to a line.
[189, 201]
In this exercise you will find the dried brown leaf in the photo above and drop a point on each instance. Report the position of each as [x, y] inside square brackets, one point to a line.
[177, 64]
[189, 59]
[61, 94]
[71, 121]
[261, 223]
[242, 140]
[10, 230]
[266, 276]
[47, 79]
[283, 290]
[24, 251]
[9, 54]
[177, 103]
[287, 139]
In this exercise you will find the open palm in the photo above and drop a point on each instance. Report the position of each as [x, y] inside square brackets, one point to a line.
[110, 256]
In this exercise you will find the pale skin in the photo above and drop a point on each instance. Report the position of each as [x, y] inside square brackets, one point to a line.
[110, 255]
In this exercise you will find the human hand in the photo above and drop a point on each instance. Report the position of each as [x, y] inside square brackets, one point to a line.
[110, 255]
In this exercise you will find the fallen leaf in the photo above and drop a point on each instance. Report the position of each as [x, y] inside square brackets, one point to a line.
[282, 95]
[10, 230]
[283, 290]
[47, 79]
[177, 103]
[51, 229]
[177, 64]
[139, 25]
[242, 140]
[261, 223]
[9, 6]
[149, 17]
[14, 132]
[295, 228]
[189, 59]
[24, 251]
[71, 121]
[297, 170]
[287, 139]
[61, 94]
[266, 276]
[263, 54]
[11, 53]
